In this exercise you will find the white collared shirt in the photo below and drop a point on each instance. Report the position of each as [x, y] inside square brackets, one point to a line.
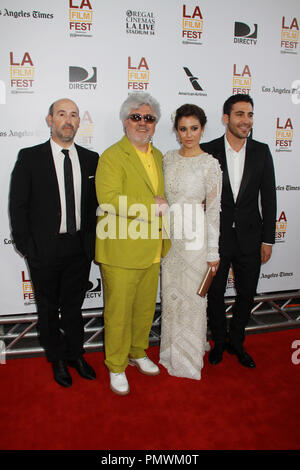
[58, 158]
[235, 164]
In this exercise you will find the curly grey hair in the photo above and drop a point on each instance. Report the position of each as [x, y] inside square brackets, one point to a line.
[135, 100]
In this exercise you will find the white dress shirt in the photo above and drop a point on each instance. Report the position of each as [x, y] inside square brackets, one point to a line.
[235, 164]
[58, 158]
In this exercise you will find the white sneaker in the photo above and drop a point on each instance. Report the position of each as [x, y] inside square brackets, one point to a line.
[145, 365]
[119, 383]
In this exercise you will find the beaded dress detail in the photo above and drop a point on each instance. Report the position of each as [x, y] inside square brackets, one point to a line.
[194, 232]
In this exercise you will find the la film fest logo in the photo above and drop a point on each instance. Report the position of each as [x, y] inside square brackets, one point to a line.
[140, 22]
[192, 25]
[85, 133]
[22, 73]
[241, 80]
[194, 83]
[80, 18]
[289, 36]
[138, 74]
[82, 79]
[284, 135]
[245, 34]
[281, 228]
[28, 292]
[27, 287]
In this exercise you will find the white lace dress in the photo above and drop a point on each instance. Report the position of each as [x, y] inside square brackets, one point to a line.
[194, 233]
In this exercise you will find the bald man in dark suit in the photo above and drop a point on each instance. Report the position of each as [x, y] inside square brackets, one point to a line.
[52, 208]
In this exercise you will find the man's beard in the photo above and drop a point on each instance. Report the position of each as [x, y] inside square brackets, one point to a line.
[139, 138]
[237, 133]
[66, 138]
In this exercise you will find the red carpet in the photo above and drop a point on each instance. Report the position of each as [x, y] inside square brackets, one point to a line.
[230, 408]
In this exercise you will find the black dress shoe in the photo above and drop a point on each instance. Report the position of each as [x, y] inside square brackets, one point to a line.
[83, 368]
[216, 354]
[61, 373]
[244, 358]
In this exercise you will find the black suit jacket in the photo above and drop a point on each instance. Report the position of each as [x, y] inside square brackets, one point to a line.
[252, 225]
[34, 201]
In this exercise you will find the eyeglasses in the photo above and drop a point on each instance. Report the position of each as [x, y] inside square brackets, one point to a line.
[138, 117]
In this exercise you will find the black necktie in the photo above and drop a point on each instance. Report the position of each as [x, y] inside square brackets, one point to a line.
[69, 190]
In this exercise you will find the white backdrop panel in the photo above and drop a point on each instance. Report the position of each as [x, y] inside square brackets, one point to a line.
[39, 43]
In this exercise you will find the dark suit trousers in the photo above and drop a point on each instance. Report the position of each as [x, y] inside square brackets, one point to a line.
[60, 285]
[246, 268]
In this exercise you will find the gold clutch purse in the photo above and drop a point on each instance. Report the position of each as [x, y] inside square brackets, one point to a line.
[206, 282]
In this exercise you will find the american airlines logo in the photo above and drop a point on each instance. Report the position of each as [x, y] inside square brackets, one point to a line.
[198, 89]
[193, 79]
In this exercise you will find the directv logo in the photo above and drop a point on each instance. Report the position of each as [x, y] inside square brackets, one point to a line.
[94, 292]
[82, 79]
[245, 34]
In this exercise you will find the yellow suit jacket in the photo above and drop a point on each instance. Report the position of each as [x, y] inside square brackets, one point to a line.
[128, 232]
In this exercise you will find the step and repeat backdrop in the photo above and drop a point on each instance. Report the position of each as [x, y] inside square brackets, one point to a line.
[97, 51]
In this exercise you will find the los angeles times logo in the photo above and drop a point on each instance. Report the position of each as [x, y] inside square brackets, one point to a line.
[295, 96]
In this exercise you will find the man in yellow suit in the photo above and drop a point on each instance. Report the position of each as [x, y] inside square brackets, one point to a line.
[130, 238]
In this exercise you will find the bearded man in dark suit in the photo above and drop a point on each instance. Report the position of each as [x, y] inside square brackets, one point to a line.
[247, 231]
[52, 208]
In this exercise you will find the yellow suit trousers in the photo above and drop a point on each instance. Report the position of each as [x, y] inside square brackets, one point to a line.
[129, 307]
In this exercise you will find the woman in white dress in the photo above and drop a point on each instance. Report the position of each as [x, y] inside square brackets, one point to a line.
[193, 182]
